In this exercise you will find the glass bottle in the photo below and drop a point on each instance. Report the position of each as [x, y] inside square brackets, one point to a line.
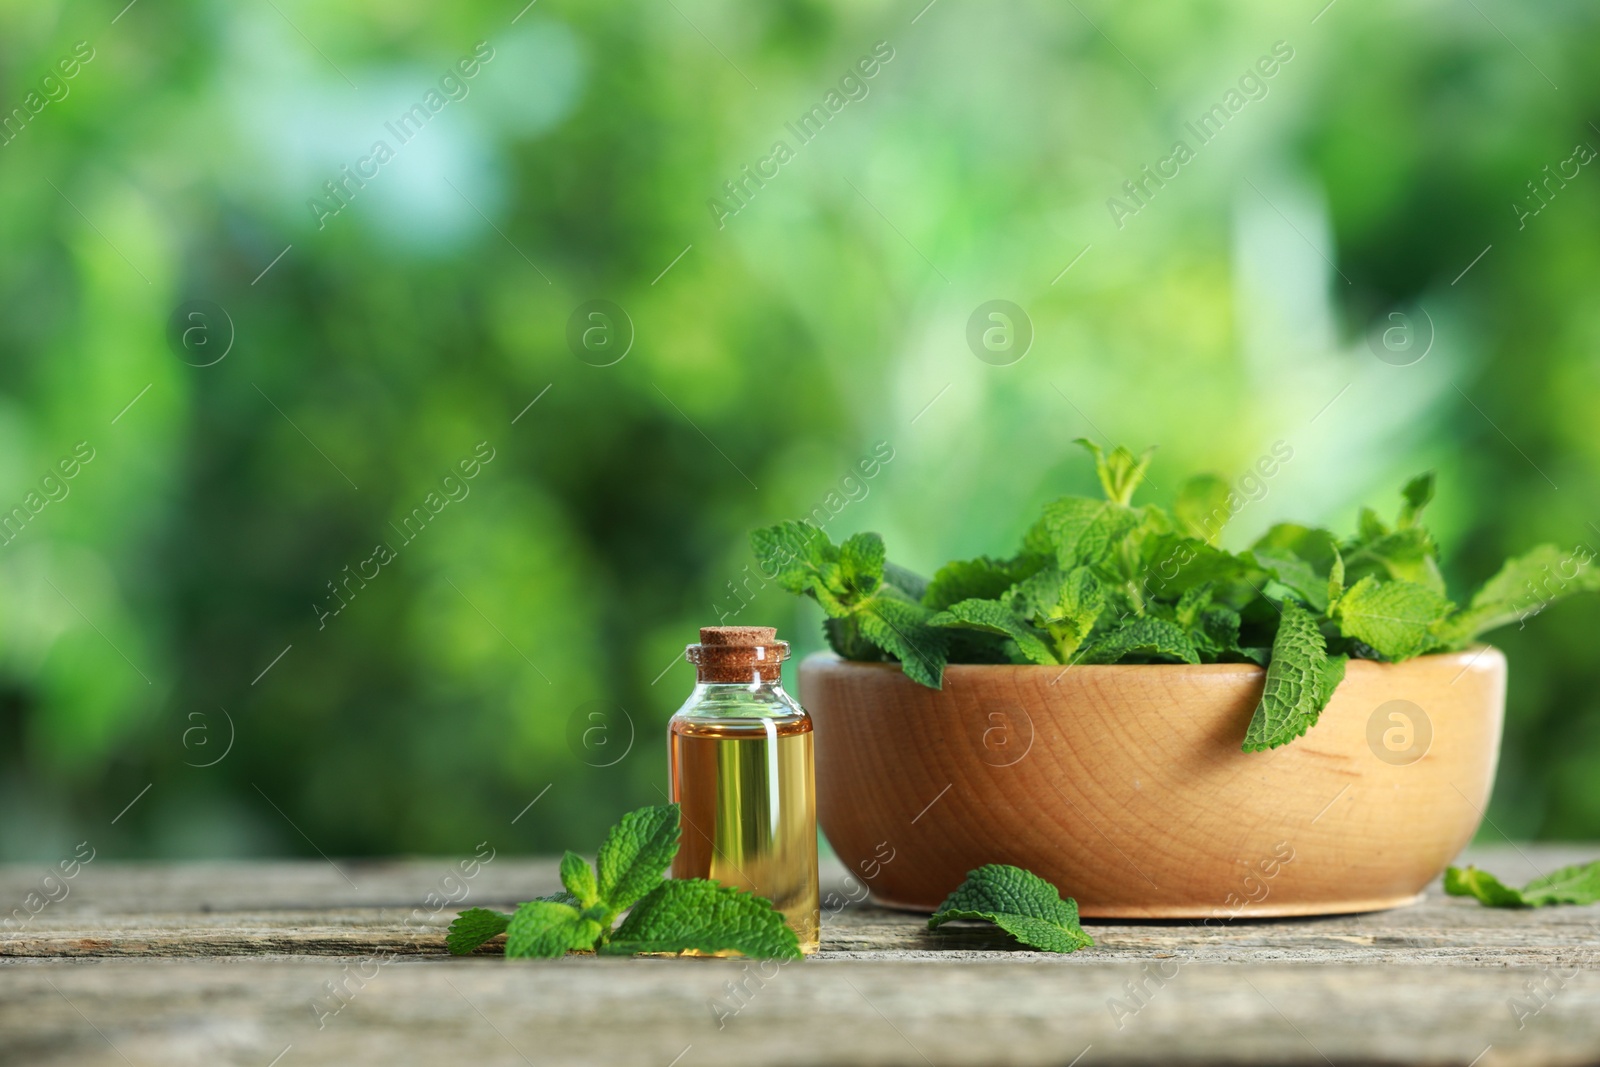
[741, 764]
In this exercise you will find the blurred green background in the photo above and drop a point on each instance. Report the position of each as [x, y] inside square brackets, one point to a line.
[527, 644]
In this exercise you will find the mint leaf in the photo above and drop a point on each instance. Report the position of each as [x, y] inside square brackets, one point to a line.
[1523, 587]
[912, 584]
[560, 896]
[803, 560]
[1186, 613]
[1336, 579]
[1328, 679]
[1295, 575]
[700, 915]
[1021, 903]
[845, 637]
[992, 616]
[976, 579]
[1066, 606]
[544, 929]
[1202, 507]
[901, 629]
[793, 551]
[1471, 882]
[635, 854]
[1417, 493]
[1301, 559]
[1172, 564]
[474, 927]
[865, 615]
[1082, 532]
[578, 877]
[1300, 681]
[1405, 555]
[1146, 637]
[1370, 526]
[1316, 547]
[1215, 634]
[1397, 619]
[1578, 884]
[861, 560]
[1120, 472]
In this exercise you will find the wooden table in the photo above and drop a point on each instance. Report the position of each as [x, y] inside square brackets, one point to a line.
[237, 963]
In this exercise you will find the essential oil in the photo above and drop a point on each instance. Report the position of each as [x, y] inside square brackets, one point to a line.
[742, 771]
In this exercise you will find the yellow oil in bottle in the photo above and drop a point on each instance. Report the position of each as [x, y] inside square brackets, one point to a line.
[750, 812]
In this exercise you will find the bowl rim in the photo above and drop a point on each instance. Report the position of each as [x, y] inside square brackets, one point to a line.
[827, 658]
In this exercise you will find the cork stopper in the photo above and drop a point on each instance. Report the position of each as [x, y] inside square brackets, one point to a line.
[738, 654]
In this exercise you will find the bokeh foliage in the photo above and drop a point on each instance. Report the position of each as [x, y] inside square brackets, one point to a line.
[1231, 311]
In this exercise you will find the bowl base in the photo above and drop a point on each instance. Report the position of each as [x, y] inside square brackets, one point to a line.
[1279, 910]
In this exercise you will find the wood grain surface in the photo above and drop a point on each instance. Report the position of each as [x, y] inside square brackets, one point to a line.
[226, 963]
[1126, 785]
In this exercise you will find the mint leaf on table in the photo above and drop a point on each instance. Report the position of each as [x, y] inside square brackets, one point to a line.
[635, 854]
[1471, 882]
[697, 914]
[1396, 619]
[544, 929]
[474, 927]
[578, 878]
[1300, 681]
[1578, 884]
[1021, 903]
[667, 916]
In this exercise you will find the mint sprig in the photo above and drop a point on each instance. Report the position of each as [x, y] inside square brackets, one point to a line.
[706, 917]
[634, 856]
[1021, 903]
[1578, 884]
[1103, 581]
[676, 915]
[474, 927]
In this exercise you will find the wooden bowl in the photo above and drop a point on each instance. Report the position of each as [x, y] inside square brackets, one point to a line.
[1126, 787]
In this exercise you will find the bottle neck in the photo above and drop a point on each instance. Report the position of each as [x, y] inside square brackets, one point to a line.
[737, 666]
[755, 685]
[762, 698]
